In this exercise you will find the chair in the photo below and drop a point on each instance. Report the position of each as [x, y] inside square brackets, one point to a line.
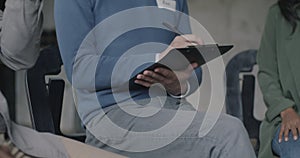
[46, 98]
[7, 87]
[240, 101]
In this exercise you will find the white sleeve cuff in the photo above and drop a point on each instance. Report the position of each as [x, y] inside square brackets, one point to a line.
[157, 57]
[183, 95]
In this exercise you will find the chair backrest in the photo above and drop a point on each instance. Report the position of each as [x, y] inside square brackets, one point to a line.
[46, 98]
[8, 88]
[240, 100]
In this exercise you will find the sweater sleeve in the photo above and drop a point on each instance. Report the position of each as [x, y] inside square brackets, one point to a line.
[86, 68]
[21, 28]
[268, 76]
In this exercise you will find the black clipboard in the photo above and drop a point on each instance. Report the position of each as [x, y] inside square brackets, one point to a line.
[179, 59]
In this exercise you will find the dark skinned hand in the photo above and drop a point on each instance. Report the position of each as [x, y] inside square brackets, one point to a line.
[290, 122]
[175, 82]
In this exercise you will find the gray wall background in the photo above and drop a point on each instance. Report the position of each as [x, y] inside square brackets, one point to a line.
[238, 22]
[229, 21]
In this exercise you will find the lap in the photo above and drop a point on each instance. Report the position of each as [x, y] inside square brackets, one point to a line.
[180, 132]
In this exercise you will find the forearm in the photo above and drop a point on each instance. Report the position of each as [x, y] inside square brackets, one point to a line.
[21, 31]
[274, 98]
[95, 72]
[268, 76]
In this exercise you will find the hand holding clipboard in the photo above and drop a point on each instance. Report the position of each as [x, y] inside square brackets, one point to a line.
[189, 50]
[177, 62]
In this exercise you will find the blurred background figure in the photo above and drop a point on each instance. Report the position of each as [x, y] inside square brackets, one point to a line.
[21, 27]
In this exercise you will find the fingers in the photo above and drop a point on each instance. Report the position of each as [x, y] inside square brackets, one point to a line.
[157, 77]
[172, 77]
[281, 133]
[180, 42]
[143, 83]
[286, 134]
[186, 40]
[295, 133]
[166, 73]
[177, 75]
[160, 75]
[145, 80]
[148, 78]
[192, 38]
[166, 77]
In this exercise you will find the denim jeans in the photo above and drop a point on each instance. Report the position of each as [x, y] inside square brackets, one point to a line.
[227, 139]
[289, 149]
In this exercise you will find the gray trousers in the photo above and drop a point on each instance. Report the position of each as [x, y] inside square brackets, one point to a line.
[28, 140]
[227, 139]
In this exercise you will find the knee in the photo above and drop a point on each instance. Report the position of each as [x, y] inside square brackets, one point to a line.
[233, 126]
[287, 149]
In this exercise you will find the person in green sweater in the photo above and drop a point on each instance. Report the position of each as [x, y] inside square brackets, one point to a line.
[279, 77]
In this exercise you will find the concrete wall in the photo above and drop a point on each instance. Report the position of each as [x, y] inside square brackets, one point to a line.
[238, 22]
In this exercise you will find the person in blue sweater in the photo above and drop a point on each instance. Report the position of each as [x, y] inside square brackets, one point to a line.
[106, 43]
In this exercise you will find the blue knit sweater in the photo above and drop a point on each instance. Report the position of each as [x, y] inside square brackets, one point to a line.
[105, 42]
